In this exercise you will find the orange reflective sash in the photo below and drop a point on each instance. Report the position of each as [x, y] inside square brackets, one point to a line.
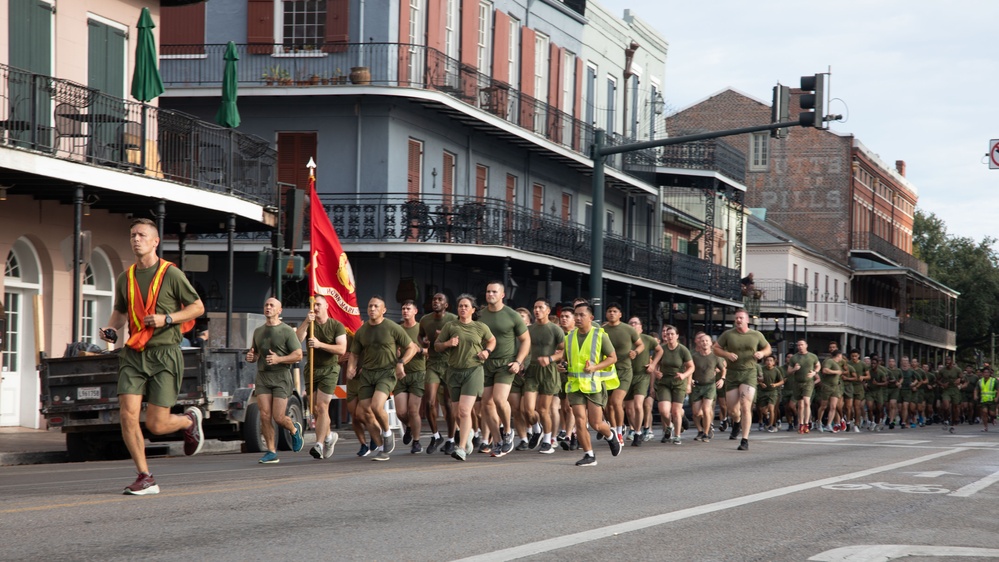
[139, 308]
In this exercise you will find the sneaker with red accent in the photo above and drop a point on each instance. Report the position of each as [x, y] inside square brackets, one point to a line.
[144, 485]
[193, 438]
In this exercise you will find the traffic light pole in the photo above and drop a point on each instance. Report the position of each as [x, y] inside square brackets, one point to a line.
[598, 152]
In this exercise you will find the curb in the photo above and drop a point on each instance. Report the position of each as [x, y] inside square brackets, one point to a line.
[49, 457]
[153, 450]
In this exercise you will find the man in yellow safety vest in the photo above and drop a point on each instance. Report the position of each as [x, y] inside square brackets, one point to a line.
[590, 360]
[986, 394]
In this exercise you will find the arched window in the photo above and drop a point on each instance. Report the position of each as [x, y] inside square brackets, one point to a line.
[98, 296]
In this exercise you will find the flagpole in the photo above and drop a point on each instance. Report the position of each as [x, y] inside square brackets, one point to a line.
[312, 297]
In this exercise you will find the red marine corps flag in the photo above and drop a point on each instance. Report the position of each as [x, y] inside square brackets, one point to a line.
[330, 274]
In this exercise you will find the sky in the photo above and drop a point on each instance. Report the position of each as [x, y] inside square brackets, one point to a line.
[918, 80]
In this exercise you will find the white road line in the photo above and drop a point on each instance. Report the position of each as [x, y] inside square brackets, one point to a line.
[823, 439]
[976, 486]
[977, 444]
[886, 552]
[904, 442]
[566, 541]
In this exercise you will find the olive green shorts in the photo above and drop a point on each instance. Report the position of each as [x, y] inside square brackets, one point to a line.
[671, 391]
[892, 393]
[639, 385]
[859, 392]
[275, 383]
[377, 380]
[324, 379]
[582, 399]
[563, 378]
[827, 391]
[848, 390]
[626, 377]
[517, 386]
[436, 373]
[733, 379]
[703, 392]
[766, 397]
[803, 390]
[543, 380]
[155, 373]
[465, 382]
[497, 372]
[989, 407]
[907, 395]
[412, 383]
[951, 394]
[353, 385]
[876, 395]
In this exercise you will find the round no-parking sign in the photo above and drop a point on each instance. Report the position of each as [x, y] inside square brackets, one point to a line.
[994, 154]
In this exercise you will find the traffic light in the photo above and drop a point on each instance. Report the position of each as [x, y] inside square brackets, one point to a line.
[779, 110]
[293, 267]
[813, 101]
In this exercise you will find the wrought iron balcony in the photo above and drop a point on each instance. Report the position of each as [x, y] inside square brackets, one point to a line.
[416, 66]
[473, 221]
[777, 293]
[66, 120]
[874, 243]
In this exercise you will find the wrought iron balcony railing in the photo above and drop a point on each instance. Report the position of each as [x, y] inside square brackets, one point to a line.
[706, 155]
[869, 241]
[777, 293]
[474, 221]
[416, 66]
[67, 120]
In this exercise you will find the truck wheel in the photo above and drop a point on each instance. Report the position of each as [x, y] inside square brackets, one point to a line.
[251, 431]
[295, 413]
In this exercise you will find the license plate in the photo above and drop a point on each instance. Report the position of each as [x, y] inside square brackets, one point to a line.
[88, 393]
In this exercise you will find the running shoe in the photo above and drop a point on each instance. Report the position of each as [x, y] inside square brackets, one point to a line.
[193, 437]
[329, 443]
[665, 438]
[144, 485]
[297, 439]
[790, 427]
[808, 429]
[891, 425]
[458, 454]
[546, 449]
[476, 440]
[615, 445]
[647, 434]
[498, 450]
[363, 451]
[417, 448]
[912, 426]
[668, 432]
[507, 444]
[563, 442]
[724, 425]
[371, 445]
[636, 441]
[534, 440]
[388, 443]
[522, 446]
[448, 448]
[407, 437]
[759, 426]
[573, 442]
[771, 429]
[676, 440]
[484, 447]
[270, 457]
[736, 426]
[380, 456]
[952, 430]
[316, 451]
[707, 438]
[620, 438]
[744, 445]
[587, 460]
[856, 429]
[434, 443]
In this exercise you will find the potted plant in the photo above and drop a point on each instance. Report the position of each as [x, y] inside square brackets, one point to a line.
[271, 75]
[284, 78]
[339, 77]
[314, 79]
[325, 78]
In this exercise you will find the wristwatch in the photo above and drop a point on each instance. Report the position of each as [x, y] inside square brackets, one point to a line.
[168, 320]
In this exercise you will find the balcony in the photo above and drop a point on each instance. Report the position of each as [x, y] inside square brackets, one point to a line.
[66, 120]
[778, 293]
[868, 241]
[341, 66]
[879, 322]
[473, 221]
[928, 332]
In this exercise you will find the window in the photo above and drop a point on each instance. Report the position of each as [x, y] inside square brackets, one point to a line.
[590, 93]
[483, 50]
[682, 246]
[414, 169]
[568, 94]
[538, 198]
[293, 149]
[481, 181]
[588, 215]
[566, 207]
[609, 222]
[611, 103]
[760, 145]
[794, 273]
[452, 25]
[511, 189]
[417, 36]
[12, 308]
[513, 53]
[541, 68]
[304, 23]
[447, 179]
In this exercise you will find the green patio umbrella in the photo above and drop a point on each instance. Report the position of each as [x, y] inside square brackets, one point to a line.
[228, 115]
[146, 81]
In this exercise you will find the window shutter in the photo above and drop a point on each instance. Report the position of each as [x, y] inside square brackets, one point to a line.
[527, 37]
[294, 151]
[538, 198]
[481, 181]
[469, 31]
[447, 181]
[435, 24]
[554, 76]
[414, 166]
[337, 26]
[511, 189]
[566, 206]
[260, 26]
[182, 30]
[501, 48]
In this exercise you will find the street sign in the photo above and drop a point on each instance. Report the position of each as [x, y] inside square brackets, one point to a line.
[994, 154]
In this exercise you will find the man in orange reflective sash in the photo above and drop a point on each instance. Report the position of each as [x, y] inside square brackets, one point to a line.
[154, 299]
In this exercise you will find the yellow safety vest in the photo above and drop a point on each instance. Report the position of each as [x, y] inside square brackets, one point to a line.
[578, 379]
[987, 392]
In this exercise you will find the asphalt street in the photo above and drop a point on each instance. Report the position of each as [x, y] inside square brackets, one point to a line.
[921, 493]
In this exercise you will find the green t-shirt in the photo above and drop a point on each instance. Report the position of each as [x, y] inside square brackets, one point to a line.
[806, 362]
[894, 375]
[770, 377]
[328, 332]
[471, 340]
[860, 370]
[706, 367]
[673, 360]
[418, 363]
[378, 345]
[175, 291]
[623, 338]
[545, 339]
[949, 376]
[971, 382]
[908, 377]
[641, 361]
[879, 375]
[743, 345]
[429, 326]
[506, 325]
[831, 380]
[280, 339]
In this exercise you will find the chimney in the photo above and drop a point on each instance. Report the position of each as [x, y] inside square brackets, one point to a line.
[900, 166]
